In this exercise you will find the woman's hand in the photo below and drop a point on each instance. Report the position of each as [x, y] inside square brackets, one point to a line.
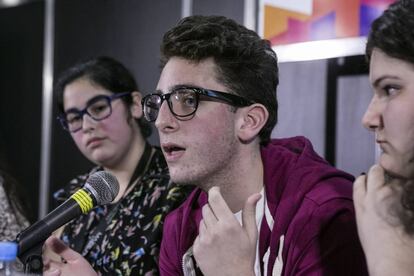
[60, 260]
[388, 249]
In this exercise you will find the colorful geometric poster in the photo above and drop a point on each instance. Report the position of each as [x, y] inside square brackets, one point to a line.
[295, 21]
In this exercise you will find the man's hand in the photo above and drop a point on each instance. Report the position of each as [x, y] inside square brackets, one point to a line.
[388, 249]
[223, 246]
[70, 263]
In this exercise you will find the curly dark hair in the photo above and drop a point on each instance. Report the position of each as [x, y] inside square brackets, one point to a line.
[401, 208]
[393, 34]
[407, 203]
[15, 193]
[246, 64]
[107, 73]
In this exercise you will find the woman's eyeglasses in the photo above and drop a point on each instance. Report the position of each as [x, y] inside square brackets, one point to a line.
[98, 108]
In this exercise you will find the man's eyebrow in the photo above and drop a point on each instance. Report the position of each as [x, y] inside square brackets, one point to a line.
[176, 86]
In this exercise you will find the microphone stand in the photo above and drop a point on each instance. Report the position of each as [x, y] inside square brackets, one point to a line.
[30, 250]
[32, 259]
[30, 241]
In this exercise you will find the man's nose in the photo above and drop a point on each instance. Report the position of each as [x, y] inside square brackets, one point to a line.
[165, 120]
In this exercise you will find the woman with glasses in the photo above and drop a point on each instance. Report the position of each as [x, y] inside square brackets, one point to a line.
[384, 198]
[101, 109]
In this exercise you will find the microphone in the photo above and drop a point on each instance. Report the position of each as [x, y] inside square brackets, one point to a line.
[100, 188]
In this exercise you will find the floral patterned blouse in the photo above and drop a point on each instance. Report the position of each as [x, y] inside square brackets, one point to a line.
[124, 238]
[12, 221]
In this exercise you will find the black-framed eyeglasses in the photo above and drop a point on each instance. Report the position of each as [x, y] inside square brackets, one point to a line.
[98, 108]
[183, 101]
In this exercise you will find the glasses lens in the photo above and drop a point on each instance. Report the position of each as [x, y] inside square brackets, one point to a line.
[152, 104]
[99, 109]
[183, 102]
[72, 121]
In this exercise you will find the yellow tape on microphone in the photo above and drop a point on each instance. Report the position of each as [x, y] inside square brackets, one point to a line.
[84, 200]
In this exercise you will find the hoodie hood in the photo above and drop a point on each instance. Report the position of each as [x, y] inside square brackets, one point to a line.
[293, 171]
[293, 161]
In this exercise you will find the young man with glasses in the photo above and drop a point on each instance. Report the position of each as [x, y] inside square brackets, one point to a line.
[262, 207]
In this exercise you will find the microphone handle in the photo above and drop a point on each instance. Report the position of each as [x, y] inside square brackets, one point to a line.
[42, 229]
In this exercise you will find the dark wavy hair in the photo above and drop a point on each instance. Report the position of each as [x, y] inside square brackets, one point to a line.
[401, 203]
[246, 64]
[107, 73]
[15, 193]
[393, 34]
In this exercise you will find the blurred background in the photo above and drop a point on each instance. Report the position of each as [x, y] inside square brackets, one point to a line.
[323, 91]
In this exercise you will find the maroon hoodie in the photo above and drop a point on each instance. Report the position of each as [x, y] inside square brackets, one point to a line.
[311, 204]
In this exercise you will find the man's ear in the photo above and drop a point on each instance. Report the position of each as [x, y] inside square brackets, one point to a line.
[136, 107]
[251, 121]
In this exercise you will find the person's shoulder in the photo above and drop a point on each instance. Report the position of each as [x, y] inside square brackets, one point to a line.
[329, 200]
[332, 189]
[285, 156]
[310, 172]
[325, 235]
[292, 167]
[328, 182]
[328, 204]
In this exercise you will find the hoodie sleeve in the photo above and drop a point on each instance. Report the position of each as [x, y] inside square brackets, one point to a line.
[329, 244]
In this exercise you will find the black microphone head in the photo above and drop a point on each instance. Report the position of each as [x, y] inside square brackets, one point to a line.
[104, 186]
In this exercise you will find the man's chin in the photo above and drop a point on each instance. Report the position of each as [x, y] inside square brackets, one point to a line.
[178, 179]
[182, 181]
